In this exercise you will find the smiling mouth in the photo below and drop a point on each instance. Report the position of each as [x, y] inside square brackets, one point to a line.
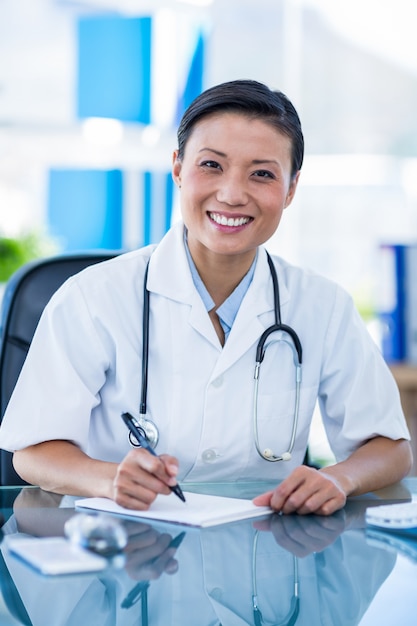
[222, 220]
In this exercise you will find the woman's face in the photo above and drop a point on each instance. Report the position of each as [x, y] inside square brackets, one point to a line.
[235, 180]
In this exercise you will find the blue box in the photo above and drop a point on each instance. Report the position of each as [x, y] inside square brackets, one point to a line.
[85, 208]
[114, 68]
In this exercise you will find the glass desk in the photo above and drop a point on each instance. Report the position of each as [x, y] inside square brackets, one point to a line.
[290, 570]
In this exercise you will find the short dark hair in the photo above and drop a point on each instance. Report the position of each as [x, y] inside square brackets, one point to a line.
[250, 98]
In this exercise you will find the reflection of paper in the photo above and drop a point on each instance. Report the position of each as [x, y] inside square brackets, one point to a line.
[198, 510]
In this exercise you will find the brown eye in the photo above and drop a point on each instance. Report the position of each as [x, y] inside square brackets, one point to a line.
[210, 164]
[263, 174]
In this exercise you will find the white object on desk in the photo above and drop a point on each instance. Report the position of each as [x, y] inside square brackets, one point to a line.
[402, 516]
[54, 555]
[198, 510]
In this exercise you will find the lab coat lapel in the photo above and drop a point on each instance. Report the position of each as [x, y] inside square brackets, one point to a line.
[170, 276]
[256, 313]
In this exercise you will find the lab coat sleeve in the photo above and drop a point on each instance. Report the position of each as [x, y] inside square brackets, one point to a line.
[358, 396]
[61, 378]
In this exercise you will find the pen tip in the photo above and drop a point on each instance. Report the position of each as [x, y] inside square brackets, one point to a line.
[178, 492]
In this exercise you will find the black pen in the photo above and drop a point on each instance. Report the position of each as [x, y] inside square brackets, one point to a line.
[129, 421]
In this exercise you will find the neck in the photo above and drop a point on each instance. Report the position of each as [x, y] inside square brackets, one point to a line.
[221, 274]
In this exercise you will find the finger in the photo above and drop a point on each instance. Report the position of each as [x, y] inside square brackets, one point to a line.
[138, 491]
[263, 499]
[163, 467]
[142, 540]
[303, 535]
[319, 498]
[288, 533]
[296, 493]
[171, 567]
[154, 465]
[135, 528]
[171, 467]
[285, 489]
[263, 525]
[137, 483]
[150, 563]
[278, 496]
[332, 505]
[141, 560]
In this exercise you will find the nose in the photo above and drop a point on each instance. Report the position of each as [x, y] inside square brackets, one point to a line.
[232, 190]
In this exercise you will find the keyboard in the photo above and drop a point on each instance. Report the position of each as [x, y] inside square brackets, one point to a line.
[402, 516]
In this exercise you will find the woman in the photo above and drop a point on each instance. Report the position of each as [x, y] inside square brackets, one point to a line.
[240, 150]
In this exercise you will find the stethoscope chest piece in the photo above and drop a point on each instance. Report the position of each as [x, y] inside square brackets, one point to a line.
[149, 429]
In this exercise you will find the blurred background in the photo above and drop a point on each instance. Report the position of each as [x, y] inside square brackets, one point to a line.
[91, 92]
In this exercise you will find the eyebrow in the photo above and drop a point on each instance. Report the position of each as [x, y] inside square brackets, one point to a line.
[254, 162]
[223, 154]
[260, 161]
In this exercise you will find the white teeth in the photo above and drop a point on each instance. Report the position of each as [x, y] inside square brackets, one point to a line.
[231, 221]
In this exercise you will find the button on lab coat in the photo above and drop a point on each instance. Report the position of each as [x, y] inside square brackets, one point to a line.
[84, 368]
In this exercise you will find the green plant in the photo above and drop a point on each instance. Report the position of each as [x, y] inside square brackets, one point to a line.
[15, 252]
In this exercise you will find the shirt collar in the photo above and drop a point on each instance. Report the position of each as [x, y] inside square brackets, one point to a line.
[228, 310]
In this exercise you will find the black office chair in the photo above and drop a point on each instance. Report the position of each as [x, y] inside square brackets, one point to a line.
[25, 297]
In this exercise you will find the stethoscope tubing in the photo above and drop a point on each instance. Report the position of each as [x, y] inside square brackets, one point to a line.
[278, 326]
[294, 610]
[260, 353]
[145, 346]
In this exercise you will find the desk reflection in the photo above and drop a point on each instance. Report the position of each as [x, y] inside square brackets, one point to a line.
[283, 570]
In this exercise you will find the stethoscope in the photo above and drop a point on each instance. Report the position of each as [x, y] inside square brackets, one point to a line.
[150, 429]
[294, 610]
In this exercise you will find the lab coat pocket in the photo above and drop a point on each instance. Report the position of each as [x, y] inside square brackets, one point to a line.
[276, 415]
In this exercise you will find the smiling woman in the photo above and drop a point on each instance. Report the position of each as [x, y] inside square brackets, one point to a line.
[215, 305]
[236, 179]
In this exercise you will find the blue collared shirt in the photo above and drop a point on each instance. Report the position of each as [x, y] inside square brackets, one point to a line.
[228, 310]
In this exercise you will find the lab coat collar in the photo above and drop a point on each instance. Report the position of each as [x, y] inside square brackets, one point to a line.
[170, 276]
[256, 313]
[169, 273]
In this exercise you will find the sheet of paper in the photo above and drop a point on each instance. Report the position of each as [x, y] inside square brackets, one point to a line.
[198, 510]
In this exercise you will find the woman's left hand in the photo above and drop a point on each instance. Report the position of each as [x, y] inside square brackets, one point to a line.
[305, 490]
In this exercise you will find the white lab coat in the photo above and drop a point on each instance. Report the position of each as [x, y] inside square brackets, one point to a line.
[84, 368]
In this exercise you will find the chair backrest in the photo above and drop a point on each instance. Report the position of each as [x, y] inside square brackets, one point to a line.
[26, 295]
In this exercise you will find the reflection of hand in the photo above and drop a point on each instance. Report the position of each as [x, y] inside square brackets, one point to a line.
[149, 553]
[301, 534]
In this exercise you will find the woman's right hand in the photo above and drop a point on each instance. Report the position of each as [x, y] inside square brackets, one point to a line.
[140, 477]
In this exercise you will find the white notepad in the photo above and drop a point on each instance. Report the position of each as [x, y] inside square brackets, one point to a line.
[199, 509]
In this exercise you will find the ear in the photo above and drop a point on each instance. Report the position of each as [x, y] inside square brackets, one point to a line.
[292, 189]
[176, 168]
